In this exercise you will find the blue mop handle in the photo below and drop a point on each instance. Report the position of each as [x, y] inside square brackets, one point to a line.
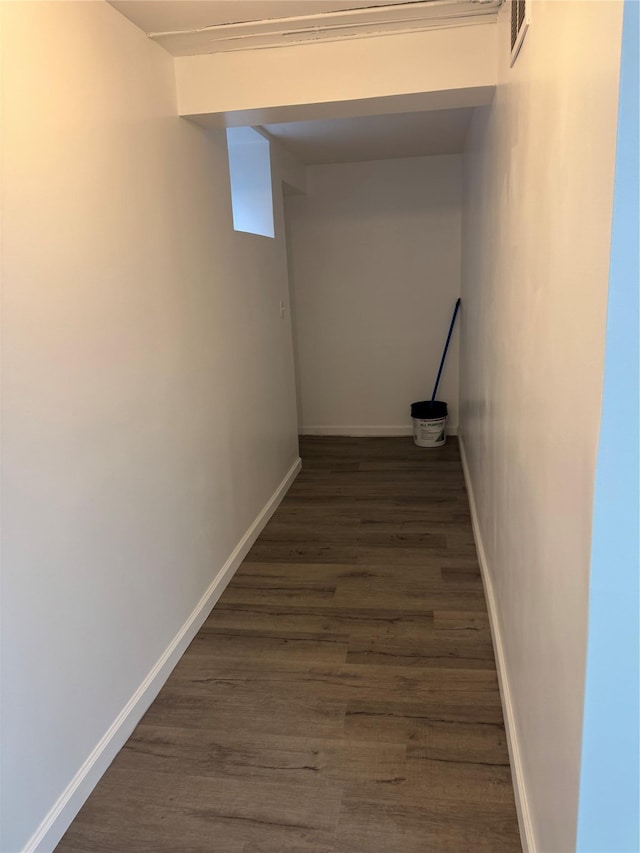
[446, 347]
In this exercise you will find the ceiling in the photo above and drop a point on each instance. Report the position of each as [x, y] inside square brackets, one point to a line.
[192, 27]
[157, 16]
[375, 137]
[185, 27]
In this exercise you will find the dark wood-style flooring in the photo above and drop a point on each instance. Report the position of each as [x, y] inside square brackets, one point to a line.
[342, 696]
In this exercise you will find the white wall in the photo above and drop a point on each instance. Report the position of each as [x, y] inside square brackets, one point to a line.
[375, 271]
[148, 394]
[536, 238]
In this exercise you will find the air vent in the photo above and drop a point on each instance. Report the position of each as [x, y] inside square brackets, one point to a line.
[520, 20]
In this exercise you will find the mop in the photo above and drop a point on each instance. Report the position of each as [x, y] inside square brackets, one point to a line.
[430, 416]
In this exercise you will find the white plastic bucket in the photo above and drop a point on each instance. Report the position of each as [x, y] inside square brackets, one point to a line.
[429, 432]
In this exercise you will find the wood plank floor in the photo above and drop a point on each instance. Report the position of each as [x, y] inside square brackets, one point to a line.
[342, 697]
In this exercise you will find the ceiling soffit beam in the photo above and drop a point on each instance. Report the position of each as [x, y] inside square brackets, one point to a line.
[448, 99]
[432, 69]
[330, 26]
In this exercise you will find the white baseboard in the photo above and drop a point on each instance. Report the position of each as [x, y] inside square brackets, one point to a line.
[365, 431]
[69, 803]
[519, 785]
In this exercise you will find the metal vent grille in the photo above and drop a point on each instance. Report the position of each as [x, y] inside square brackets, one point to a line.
[520, 19]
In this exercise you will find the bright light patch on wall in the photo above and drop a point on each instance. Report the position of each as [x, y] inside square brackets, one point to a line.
[250, 173]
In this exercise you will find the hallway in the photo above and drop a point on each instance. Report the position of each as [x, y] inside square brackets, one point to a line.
[342, 696]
